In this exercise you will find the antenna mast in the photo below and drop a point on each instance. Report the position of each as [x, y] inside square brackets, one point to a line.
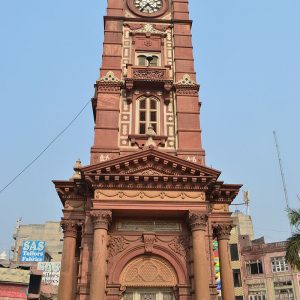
[281, 171]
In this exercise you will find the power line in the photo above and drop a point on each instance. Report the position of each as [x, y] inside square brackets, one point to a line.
[45, 149]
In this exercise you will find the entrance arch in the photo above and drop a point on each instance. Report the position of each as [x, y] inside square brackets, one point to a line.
[148, 278]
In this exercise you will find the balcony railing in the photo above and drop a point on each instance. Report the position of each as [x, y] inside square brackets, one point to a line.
[148, 73]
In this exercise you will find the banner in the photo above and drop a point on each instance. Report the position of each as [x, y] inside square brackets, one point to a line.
[51, 272]
[217, 266]
[33, 251]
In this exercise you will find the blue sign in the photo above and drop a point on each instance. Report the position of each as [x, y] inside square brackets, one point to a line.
[33, 251]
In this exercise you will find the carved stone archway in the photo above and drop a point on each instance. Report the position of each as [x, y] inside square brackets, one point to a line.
[148, 271]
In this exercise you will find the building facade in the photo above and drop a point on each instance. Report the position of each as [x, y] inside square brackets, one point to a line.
[14, 282]
[243, 226]
[50, 232]
[139, 222]
[267, 274]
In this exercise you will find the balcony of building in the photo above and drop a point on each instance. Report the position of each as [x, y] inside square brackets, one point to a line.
[137, 75]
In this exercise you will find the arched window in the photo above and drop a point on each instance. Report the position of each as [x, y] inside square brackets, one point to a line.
[148, 114]
[142, 60]
[148, 60]
[154, 61]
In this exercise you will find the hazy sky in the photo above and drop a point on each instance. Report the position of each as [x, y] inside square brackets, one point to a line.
[248, 64]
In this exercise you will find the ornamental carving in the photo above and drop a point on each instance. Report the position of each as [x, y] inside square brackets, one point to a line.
[108, 88]
[148, 43]
[109, 83]
[110, 77]
[180, 245]
[101, 218]
[150, 172]
[187, 87]
[148, 28]
[197, 220]
[148, 272]
[148, 74]
[220, 208]
[148, 167]
[70, 228]
[184, 91]
[186, 80]
[149, 195]
[117, 244]
[74, 205]
[149, 240]
[222, 231]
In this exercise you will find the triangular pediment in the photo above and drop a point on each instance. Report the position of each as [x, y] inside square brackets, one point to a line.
[150, 170]
[150, 162]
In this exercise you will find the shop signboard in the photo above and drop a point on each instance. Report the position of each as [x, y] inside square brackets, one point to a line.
[51, 272]
[33, 251]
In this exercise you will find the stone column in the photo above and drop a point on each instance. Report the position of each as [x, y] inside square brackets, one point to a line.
[198, 223]
[66, 282]
[101, 220]
[222, 232]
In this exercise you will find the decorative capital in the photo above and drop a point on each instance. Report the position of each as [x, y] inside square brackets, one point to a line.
[197, 220]
[70, 228]
[222, 231]
[101, 218]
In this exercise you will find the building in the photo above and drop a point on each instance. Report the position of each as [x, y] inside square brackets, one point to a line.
[50, 232]
[14, 281]
[243, 227]
[140, 221]
[267, 274]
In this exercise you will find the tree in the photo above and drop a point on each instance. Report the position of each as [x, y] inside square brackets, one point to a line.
[293, 243]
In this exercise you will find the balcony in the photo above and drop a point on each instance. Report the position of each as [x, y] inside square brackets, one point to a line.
[155, 75]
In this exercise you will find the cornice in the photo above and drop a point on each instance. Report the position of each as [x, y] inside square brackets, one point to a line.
[224, 193]
[146, 20]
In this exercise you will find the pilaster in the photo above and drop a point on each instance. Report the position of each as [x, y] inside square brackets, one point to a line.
[67, 274]
[198, 224]
[222, 233]
[101, 220]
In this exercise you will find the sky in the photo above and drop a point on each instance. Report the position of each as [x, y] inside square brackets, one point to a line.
[247, 56]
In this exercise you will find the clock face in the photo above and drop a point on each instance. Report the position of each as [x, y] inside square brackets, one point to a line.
[148, 6]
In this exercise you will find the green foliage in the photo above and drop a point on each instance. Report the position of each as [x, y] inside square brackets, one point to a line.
[294, 216]
[293, 246]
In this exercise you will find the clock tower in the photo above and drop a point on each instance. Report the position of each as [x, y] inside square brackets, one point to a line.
[141, 219]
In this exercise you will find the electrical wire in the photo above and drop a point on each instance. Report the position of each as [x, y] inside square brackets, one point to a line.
[45, 149]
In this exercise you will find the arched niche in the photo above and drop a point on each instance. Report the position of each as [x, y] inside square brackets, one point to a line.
[132, 253]
[148, 271]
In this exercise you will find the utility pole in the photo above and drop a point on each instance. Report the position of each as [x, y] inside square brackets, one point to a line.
[282, 174]
[281, 171]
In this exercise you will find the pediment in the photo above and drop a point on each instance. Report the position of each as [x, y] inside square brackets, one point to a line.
[150, 162]
[149, 170]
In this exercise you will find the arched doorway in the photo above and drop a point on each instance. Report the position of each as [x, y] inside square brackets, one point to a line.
[148, 278]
